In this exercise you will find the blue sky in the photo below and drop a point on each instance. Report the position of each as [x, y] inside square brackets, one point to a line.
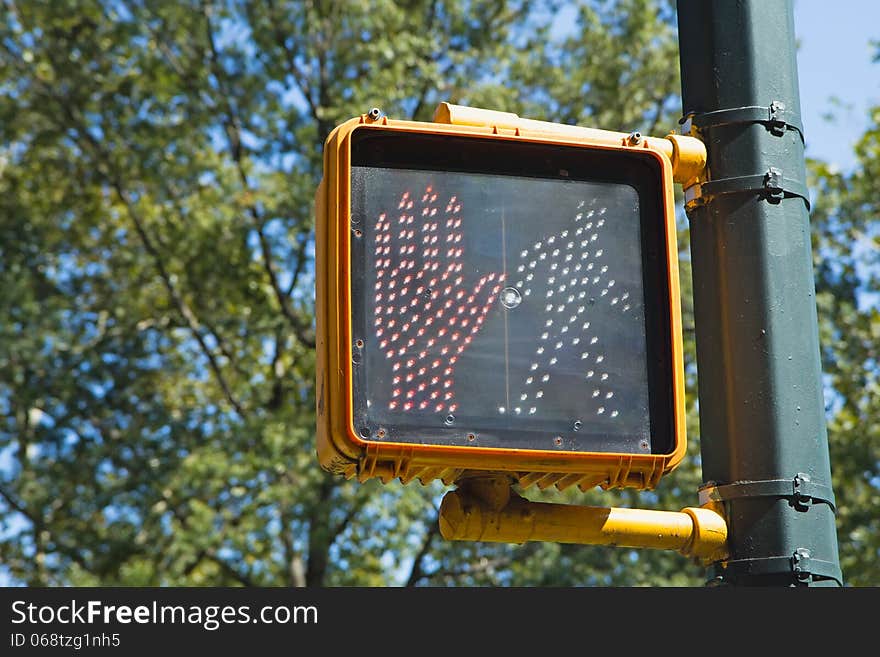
[834, 60]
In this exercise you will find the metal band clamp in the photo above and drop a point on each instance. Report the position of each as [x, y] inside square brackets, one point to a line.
[774, 117]
[800, 564]
[771, 186]
[802, 492]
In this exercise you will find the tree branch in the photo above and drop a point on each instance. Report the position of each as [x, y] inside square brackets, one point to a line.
[417, 572]
[39, 526]
[229, 570]
[184, 309]
[360, 501]
[232, 125]
[107, 170]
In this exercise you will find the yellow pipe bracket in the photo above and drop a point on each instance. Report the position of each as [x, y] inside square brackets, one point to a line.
[468, 514]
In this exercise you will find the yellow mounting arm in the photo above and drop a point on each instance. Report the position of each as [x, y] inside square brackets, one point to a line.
[485, 509]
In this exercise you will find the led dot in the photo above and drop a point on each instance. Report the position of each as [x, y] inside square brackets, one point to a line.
[529, 381]
[603, 293]
[626, 307]
[599, 253]
[555, 252]
[564, 329]
[532, 410]
[611, 283]
[594, 340]
[551, 280]
[539, 394]
[624, 296]
[600, 410]
[530, 277]
[548, 307]
[575, 341]
[564, 233]
[600, 358]
[590, 374]
[532, 264]
[501, 409]
[585, 355]
[538, 245]
[614, 301]
[609, 395]
[596, 393]
[553, 361]
[559, 345]
[521, 268]
[614, 413]
[553, 267]
[540, 350]
[542, 256]
[551, 239]
[545, 335]
[533, 366]
[523, 254]
[523, 397]
[604, 268]
[545, 378]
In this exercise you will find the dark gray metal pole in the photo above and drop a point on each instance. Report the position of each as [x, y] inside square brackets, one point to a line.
[763, 437]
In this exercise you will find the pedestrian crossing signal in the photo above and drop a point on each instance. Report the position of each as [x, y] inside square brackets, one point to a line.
[497, 301]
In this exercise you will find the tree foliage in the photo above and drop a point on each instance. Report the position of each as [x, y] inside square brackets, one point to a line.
[846, 247]
[158, 163]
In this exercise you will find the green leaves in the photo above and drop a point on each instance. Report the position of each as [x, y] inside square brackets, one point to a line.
[158, 163]
[845, 246]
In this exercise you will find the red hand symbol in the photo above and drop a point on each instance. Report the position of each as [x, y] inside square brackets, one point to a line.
[427, 308]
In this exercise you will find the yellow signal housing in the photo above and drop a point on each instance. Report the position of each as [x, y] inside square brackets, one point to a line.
[362, 431]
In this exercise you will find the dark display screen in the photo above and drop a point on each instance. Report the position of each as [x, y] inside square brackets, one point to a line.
[506, 310]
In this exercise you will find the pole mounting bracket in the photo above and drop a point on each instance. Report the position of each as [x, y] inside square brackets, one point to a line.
[801, 492]
[800, 564]
[775, 117]
[771, 185]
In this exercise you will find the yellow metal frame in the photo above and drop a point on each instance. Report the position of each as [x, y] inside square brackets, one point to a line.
[340, 449]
